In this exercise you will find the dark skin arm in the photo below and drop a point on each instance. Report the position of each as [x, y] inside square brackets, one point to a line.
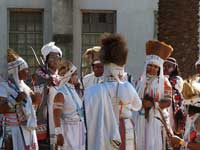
[4, 107]
[59, 98]
[36, 99]
[164, 103]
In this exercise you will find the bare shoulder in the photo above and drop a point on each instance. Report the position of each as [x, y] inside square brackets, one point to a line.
[59, 97]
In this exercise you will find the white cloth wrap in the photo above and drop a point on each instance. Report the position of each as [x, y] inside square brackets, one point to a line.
[114, 70]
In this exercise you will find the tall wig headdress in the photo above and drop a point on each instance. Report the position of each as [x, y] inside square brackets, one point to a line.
[113, 55]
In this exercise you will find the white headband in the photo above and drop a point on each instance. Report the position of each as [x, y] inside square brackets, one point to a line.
[153, 59]
[171, 62]
[96, 62]
[20, 62]
[197, 63]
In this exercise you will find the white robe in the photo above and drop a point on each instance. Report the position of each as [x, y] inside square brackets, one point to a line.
[102, 117]
[91, 79]
[149, 134]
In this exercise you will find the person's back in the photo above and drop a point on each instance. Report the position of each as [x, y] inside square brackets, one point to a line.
[108, 104]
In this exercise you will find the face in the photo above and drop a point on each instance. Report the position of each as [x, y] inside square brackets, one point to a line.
[23, 74]
[152, 69]
[62, 70]
[74, 78]
[98, 69]
[53, 60]
[168, 68]
[198, 68]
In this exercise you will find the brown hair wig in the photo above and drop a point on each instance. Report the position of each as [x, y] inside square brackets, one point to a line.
[64, 66]
[11, 55]
[113, 49]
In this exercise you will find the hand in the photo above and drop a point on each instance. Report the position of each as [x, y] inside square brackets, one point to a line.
[164, 104]
[60, 140]
[20, 97]
[50, 81]
[176, 141]
[147, 104]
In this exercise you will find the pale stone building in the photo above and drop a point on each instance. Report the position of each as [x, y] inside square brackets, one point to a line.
[75, 25]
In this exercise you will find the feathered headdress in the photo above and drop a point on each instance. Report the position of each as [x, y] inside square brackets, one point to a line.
[92, 54]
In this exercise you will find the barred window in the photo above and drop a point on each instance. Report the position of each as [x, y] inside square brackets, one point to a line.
[25, 30]
[93, 25]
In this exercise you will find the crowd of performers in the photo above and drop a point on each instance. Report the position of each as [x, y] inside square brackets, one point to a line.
[104, 110]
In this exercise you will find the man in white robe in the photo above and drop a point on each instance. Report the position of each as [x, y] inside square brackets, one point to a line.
[109, 103]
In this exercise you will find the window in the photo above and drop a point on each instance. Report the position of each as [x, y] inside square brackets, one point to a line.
[93, 25]
[25, 30]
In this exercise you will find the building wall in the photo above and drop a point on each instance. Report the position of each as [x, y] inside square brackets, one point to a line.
[4, 23]
[135, 20]
[62, 20]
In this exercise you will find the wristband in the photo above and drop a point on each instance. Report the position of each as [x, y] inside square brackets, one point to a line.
[58, 130]
[181, 142]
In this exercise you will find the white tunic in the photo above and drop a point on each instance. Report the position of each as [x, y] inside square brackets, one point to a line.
[91, 79]
[102, 112]
[72, 123]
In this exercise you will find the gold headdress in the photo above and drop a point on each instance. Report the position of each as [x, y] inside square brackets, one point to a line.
[161, 49]
[92, 53]
[191, 93]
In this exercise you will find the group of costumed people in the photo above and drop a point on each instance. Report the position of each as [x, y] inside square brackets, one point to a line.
[106, 109]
